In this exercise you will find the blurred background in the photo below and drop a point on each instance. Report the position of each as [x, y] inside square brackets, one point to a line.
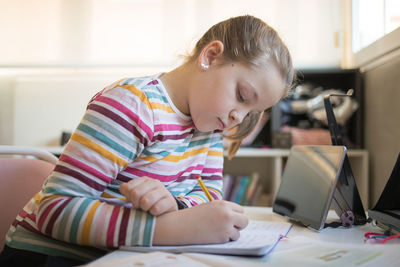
[56, 54]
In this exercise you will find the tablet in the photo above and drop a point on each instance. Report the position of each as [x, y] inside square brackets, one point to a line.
[308, 183]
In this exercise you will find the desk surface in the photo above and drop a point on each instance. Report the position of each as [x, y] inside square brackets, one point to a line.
[301, 247]
[354, 235]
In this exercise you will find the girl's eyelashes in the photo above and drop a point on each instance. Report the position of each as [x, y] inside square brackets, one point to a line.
[240, 96]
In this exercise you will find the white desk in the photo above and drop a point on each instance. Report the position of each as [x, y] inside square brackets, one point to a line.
[304, 246]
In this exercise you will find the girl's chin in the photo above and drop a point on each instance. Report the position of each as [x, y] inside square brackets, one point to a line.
[205, 128]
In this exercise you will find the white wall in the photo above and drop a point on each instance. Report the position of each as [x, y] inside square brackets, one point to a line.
[6, 110]
[155, 32]
[35, 109]
[54, 59]
[46, 105]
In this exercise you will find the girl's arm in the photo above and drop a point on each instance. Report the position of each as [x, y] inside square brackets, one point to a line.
[110, 136]
[214, 222]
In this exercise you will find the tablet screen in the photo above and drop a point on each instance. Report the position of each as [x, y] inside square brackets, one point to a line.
[308, 183]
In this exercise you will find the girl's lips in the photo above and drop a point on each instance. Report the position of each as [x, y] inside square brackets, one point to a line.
[221, 124]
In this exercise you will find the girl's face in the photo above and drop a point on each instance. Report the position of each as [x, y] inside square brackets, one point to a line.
[225, 94]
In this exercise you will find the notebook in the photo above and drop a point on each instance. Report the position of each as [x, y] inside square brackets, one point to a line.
[387, 210]
[257, 239]
[308, 183]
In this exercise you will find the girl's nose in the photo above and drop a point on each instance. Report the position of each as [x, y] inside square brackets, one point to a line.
[236, 117]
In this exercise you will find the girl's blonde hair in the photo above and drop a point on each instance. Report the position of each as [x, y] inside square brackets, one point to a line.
[248, 40]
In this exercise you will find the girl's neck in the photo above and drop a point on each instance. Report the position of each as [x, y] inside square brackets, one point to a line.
[177, 84]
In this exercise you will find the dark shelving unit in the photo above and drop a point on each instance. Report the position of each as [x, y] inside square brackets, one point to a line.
[339, 79]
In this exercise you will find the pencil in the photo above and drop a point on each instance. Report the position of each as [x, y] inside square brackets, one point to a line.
[204, 188]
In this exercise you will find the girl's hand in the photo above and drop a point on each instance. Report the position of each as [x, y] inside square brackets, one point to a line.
[149, 195]
[214, 222]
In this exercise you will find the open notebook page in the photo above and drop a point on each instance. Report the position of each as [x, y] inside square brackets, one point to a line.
[257, 239]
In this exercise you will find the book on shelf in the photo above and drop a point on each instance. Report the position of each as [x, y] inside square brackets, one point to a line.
[235, 188]
[228, 184]
[244, 181]
[253, 185]
[243, 190]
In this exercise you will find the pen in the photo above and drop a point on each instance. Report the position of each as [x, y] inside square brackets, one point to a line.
[204, 188]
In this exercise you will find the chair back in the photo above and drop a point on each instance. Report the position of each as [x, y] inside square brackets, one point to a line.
[20, 179]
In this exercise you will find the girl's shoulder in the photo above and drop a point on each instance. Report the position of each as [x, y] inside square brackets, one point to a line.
[140, 88]
[148, 88]
[140, 83]
[157, 98]
[126, 90]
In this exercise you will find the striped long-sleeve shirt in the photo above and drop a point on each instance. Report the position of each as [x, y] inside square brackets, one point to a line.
[130, 129]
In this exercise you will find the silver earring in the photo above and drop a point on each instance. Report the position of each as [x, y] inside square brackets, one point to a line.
[204, 66]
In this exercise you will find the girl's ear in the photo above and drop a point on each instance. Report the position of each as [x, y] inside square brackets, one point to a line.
[210, 53]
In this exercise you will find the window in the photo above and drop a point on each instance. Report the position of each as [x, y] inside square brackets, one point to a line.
[372, 19]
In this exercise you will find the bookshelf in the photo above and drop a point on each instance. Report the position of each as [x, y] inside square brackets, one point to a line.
[269, 164]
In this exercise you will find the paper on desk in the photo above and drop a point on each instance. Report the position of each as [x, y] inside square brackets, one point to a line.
[339, 254]
[327, 254]
[153, 259]
[257, 239]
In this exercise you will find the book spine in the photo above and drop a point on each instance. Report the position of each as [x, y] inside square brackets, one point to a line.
[235, 189]
[245, 196]
[252, 187]
[231, 180]
[242, 187]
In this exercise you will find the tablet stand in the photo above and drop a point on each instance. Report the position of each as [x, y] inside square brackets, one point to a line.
[346, 200]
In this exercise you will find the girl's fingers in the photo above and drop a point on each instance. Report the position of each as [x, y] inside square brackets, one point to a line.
[234, 235]
[235, 207]
[126, 187]
[241, 221]
[150, 198]
[136, 190]
[149, 195]
[162, 206]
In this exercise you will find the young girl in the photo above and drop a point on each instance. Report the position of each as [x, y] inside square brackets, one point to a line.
[128, 174]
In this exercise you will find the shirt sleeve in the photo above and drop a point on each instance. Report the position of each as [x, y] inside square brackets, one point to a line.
[116, 127]
[211, 175]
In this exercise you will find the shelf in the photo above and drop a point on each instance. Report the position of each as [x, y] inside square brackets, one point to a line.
[260, 152]
[273, 152]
